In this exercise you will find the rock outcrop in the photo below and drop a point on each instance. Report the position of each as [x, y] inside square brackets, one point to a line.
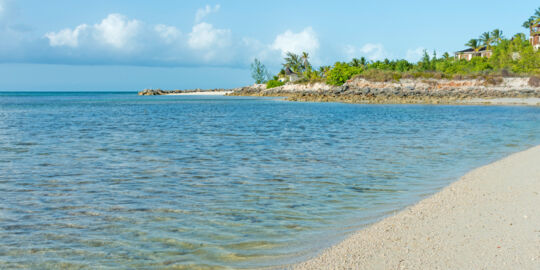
[428, 91]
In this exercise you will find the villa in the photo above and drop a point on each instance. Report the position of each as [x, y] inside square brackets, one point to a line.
[534, 38]
[289, 76]
[468, 54]
[535, 35]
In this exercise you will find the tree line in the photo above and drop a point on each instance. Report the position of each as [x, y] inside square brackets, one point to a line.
[509, 56]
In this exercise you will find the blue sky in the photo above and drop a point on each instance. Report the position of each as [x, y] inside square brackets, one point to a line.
[129, 45]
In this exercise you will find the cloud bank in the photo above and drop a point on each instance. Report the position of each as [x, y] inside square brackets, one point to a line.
[122, 40]
[117, 39]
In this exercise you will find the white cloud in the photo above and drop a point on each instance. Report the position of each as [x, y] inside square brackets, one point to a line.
[66, 37]
[116, 30]
[210, 42]
[203, 12]
[414, 55]
[117, 39]
[372, 51]
[205, 36]
[305, 41]
[169, 34]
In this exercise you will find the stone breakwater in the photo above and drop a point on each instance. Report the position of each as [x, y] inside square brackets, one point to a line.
[406, 91]
[158, 92]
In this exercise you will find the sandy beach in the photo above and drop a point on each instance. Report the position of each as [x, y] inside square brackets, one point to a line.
[489, 219]
[201, 93]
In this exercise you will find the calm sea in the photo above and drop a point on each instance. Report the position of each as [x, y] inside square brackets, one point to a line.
[114, 180]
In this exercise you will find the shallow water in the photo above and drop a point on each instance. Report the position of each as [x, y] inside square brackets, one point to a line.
[115, 180]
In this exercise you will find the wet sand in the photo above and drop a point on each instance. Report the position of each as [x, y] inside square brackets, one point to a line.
[489, 219]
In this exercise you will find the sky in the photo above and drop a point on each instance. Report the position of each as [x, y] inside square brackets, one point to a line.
[129, 45]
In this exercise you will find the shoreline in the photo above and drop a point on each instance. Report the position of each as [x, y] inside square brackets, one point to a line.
[517, 101]
[201, 93]
[488, 219]
[507, 91]
[192, 92]
[531, 101]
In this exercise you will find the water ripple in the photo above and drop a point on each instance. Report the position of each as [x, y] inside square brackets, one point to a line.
[120, 181]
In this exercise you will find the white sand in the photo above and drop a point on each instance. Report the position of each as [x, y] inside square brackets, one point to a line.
[506, 101]
[489, 219]
[202, 93]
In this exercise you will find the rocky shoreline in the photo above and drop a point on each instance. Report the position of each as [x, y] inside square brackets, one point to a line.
[407, 91]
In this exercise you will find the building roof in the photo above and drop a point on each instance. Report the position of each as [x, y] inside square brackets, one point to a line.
[471, 50]
[288, 71]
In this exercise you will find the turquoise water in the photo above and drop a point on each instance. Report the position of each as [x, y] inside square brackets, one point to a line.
[114, 180]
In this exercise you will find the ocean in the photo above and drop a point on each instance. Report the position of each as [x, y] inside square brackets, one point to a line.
[116, 180]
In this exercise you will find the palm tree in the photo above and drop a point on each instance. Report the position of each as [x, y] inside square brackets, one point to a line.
[497, 36]
[355, 62]
[323, 70]
[486, 39]
[520, 36]
[293, 61]
[305, 57]
[363, 61]
[534, 17]
[473, 44]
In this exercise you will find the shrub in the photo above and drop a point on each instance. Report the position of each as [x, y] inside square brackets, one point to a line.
[341, 72]
[377, 75]
[273, 84]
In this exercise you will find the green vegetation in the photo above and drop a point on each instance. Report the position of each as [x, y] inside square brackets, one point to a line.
[534, 17]
[273, 83]
[341, 72]
[474, 44]
[509, 56]
[259, 73]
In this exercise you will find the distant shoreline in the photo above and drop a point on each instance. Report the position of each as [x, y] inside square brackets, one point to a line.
[506, 91]
[201, 93]
[209, 92]
[486, 220]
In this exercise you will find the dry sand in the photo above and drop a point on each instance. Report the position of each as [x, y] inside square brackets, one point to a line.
[489, 219]
[202, 93]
